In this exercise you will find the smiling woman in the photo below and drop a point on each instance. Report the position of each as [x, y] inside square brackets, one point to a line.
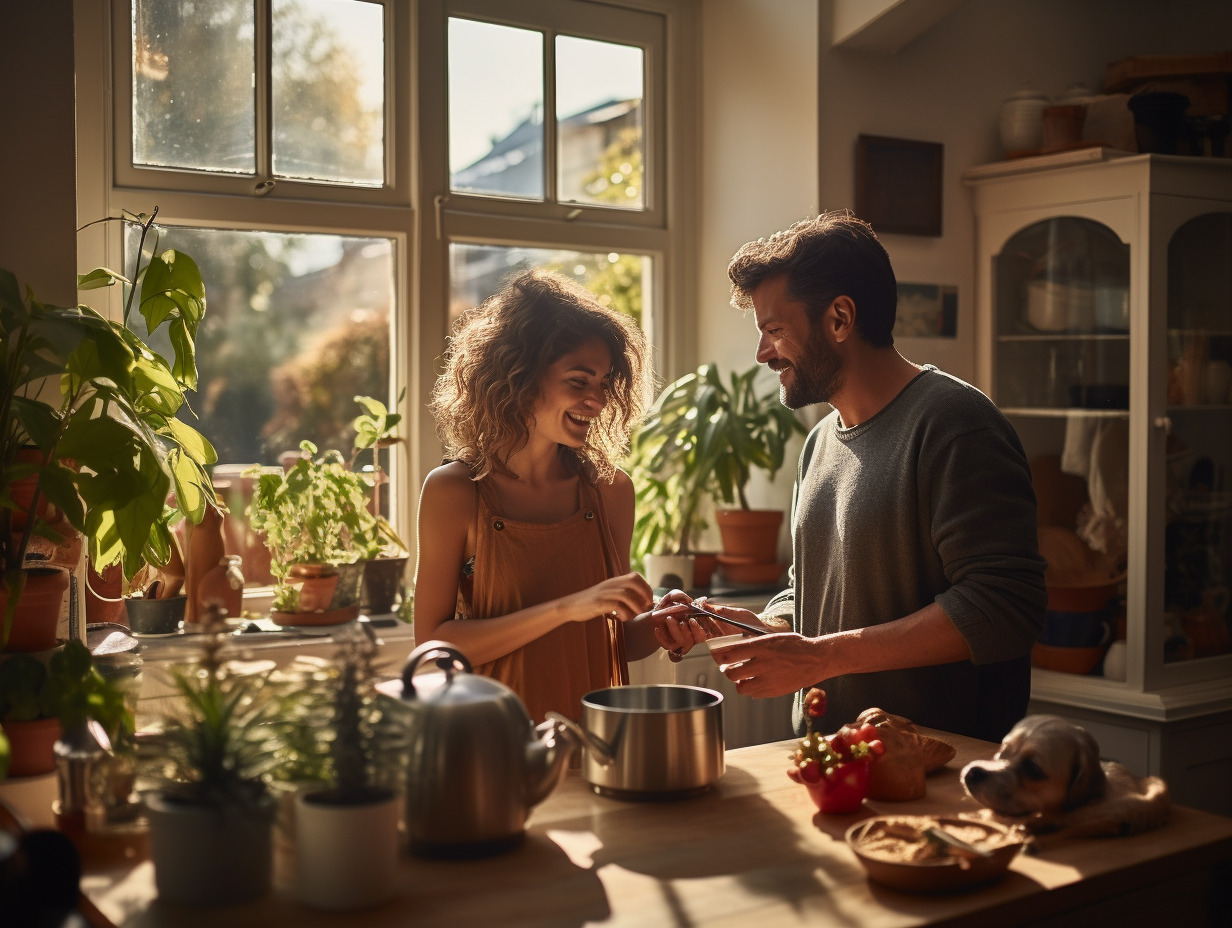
[524, 532]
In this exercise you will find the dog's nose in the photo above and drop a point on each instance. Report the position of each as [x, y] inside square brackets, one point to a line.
[972, 775]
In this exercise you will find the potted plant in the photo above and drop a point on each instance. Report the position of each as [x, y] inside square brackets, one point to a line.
[317, 526]
[40, 700]
[387, 555]
[203, 770]
[89, 439]
[346, 830]
[700, 442]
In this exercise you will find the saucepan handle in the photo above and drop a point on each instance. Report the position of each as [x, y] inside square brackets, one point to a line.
[603, 751]
[448, 659]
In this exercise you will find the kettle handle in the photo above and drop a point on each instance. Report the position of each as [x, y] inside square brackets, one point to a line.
[448, 659]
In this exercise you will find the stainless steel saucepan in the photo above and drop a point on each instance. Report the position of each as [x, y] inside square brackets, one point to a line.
[654, 741]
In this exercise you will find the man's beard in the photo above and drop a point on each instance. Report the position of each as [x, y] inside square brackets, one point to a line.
[816, 379]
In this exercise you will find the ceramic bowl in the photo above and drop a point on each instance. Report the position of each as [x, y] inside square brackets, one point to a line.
[941, 873]
[719, 644]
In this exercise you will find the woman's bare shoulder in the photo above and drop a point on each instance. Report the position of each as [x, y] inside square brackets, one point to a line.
[619, 491]
[450, 486]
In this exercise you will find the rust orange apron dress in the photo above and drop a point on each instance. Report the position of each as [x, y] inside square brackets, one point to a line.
[521, 564]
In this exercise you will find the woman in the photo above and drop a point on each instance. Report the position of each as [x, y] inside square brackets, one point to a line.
[524, 531]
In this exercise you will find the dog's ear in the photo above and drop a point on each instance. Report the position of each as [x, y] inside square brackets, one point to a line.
[1087, 779]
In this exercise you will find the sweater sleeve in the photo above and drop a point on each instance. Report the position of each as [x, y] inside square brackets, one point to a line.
[984, 528]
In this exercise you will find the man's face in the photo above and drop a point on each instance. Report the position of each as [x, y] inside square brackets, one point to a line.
[809, 368]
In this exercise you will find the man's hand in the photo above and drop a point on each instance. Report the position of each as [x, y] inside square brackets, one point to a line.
[774, 665]
[676, 627]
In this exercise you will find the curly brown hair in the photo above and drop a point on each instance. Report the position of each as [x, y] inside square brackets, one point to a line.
[483, 399]
[828, 256]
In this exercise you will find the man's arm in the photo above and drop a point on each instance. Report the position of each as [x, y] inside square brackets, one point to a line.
[779, 664]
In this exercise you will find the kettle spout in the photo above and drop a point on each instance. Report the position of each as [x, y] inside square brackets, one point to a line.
[547, 759]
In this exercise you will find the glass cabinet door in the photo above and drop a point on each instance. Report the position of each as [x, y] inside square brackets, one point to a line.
[1060, 300]
[1198, 477]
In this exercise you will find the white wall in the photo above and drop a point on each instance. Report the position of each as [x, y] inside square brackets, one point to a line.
[782, 109]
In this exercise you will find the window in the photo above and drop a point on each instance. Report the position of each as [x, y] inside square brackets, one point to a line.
[556, 156]
[275, 137]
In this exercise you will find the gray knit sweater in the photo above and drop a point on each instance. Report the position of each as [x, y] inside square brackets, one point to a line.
[929, 500]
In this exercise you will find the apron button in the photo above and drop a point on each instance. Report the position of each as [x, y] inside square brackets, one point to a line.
[498, 525]
[590, 514]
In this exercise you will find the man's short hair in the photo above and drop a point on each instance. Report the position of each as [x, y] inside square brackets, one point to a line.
[834, 254]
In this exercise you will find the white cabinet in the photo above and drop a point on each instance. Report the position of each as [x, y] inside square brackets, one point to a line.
[1104, 332]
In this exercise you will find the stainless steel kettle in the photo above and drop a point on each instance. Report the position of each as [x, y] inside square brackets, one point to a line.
[477, 764]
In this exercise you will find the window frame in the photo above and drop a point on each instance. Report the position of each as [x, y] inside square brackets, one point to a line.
[658, 231]
[415, 208]
[396, 189]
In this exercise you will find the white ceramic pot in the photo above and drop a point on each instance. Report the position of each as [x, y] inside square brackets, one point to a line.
[670, 571]
[346, 856]
[207, 855]
[1022, 122]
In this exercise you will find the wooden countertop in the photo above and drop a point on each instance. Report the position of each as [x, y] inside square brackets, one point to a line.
[751, 852]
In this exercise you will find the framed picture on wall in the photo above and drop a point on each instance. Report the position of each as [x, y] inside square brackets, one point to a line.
[898, 184]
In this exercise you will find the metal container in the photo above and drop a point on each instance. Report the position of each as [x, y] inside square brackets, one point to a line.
[477, 765]
[655, 741]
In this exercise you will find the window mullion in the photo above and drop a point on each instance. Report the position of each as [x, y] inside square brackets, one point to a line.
[263, 89]
[550, 193]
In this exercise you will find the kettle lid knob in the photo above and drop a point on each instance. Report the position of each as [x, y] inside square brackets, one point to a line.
[447, 657]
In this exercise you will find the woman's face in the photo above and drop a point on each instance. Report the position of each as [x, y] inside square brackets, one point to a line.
[572, 392]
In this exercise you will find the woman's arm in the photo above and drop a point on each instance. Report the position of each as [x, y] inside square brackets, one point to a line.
[447, 508]
[643, 635]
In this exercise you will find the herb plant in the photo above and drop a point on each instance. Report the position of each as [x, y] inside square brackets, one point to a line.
[314, 513]
[222, 736]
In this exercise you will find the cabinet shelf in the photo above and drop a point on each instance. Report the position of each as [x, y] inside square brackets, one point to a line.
[1065, 337]
[1070, 412]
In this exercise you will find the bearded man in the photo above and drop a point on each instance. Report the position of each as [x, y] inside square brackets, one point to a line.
[917, 584]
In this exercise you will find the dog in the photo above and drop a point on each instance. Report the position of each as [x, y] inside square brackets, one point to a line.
[1048, 778]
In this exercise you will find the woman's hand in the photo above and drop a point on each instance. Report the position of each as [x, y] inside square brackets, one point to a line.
[623, 598]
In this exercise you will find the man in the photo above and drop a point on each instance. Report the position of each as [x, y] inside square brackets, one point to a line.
[917, 581]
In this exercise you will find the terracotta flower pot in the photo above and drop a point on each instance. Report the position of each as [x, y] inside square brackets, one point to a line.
[316, 583]
[32, 746]
[22, 491]
[37, 614]
[750, 533]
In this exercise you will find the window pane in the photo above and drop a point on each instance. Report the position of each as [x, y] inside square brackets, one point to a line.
[295, 327]
[495, 110]
[328, 87]
[187, 57]
[477, 271]
[600, 141]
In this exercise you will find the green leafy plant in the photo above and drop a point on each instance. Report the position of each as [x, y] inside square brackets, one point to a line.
[222, 735]
[98, 408]
[700, 441]
[314, 513]
[376, 428]
[360, 752]
[69, 688]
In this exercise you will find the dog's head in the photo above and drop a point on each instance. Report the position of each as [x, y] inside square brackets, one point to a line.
[1045, 764]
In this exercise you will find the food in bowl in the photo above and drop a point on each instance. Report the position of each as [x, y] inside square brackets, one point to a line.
[929, 853]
